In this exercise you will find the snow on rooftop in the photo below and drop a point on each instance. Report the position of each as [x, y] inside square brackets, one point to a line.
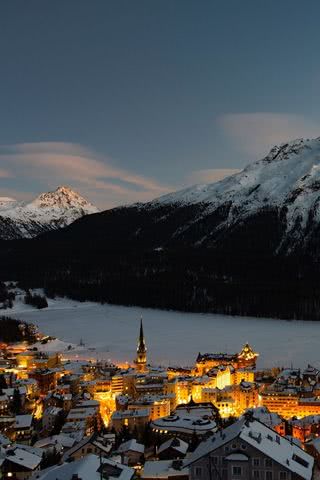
[161, 469]
[175, 443]
[184, 424]
[23, 458]
[87, 468]
[131, 445]
[280, 449]
[64, 440]
[23, 421]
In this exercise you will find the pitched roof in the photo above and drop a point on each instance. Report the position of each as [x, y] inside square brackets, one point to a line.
[23, 458]
[23, 421]
[264, 439]
[87, 468]
[162, 469]
[131, 445]
[175, 443]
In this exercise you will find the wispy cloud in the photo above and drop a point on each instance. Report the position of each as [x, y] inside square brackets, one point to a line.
[4, 173]
[210, 175]
[256, 133]
[55, 163]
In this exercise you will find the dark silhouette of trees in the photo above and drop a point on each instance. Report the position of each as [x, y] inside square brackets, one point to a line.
[12, 330]
[35, 300]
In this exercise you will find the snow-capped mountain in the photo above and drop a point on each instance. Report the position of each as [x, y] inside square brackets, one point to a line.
[286, 181]
[49, 211]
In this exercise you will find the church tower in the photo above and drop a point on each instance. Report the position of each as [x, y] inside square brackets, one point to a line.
[141, 358]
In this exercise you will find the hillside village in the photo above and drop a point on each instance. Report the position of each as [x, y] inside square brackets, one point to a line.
[83, 419]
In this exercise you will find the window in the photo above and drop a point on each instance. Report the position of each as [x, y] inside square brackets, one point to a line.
[256, 462]
[269, 475]
[255, 474]
[268, 462]
[243, 446]
[283, 476]
[215, 460]
[237, 471]
[300, 460]
[198, 471]
[234, 446]
[226, 449]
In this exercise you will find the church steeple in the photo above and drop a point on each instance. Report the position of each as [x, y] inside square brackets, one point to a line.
[141, 358]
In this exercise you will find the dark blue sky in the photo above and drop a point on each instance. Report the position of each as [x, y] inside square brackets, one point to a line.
[150, 95]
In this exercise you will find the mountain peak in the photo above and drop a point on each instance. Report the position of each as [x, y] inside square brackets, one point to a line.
[63, 198]
[48, 211]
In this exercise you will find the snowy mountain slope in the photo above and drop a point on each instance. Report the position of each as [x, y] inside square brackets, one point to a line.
[48, 211]
[287, 181]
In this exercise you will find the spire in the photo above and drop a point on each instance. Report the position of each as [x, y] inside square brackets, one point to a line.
[141, 342]
[141, 358]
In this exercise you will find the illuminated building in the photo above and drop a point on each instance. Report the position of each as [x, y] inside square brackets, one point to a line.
[130, 419]
[293, 394]
[37, 360]
[243, 374]
[141, 358]
[23, 428]
[245, 359]
[233, 399]
[157, 406]
[306, 427]
[45, 378]
[117, 384]
[187, 419]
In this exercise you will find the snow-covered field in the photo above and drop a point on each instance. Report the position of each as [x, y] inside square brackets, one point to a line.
[172, 337]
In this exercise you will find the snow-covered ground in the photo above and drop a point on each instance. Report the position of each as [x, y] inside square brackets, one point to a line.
[172, 337]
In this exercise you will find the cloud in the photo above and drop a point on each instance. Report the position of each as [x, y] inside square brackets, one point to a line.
[210, 175]
[256, 133]
[4, 173]
[55, 163]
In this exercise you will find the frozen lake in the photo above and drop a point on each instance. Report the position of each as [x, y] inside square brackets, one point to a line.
[173, 337]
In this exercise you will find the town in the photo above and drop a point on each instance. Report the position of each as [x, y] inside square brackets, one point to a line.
[222, 418]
